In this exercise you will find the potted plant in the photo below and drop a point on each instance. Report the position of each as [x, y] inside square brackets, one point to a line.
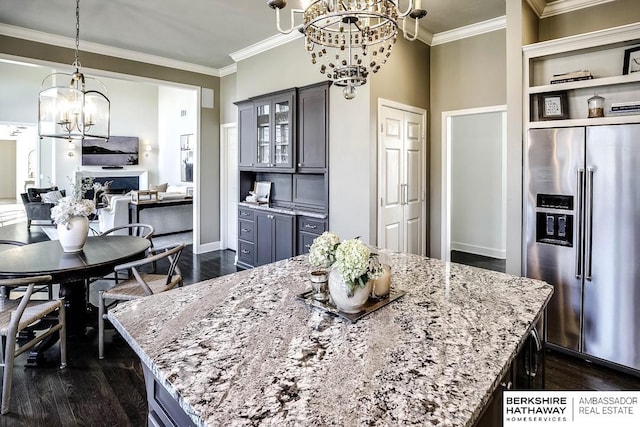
[354, 266]
[71, 217]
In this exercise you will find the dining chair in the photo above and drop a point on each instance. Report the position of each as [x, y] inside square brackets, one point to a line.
[4, 291]
[15, 316]
[135, 229]
[140, 284]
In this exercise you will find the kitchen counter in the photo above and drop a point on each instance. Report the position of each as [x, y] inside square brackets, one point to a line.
[242, 350]
[268, 208]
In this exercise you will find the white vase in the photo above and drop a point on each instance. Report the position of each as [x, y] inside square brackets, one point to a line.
[338, 289]
[73, 234]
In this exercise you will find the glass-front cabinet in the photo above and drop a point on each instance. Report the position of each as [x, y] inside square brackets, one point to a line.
[275, 126]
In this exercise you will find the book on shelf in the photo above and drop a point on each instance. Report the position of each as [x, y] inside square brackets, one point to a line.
[634, 104]
[570, 79]
[571, 74]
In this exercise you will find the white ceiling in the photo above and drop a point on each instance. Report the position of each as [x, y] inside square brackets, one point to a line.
[200, 32]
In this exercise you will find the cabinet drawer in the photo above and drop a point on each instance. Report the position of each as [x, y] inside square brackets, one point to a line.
[246, 213]
[245, 230]
[304, 242]
[312, 225]
[246, 252]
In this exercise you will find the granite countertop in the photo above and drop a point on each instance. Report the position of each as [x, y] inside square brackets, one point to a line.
[242, 350]
[268, 208]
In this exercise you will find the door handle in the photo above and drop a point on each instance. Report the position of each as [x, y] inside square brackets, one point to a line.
[245, 230]
[244, 251]
[580, 210]
[589, 224]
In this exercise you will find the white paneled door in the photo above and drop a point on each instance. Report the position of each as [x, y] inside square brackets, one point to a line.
[401, 172]
[230, 184]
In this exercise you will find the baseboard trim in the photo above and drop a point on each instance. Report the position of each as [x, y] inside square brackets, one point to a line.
[479, 250]
[208, 247]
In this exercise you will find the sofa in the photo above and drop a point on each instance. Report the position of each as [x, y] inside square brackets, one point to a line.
[163, 219]
[38, 206]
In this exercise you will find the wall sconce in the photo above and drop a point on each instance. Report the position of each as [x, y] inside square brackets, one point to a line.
[147, 151]
[71, 147]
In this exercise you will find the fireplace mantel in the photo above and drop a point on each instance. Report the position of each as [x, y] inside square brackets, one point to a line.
[142, 174]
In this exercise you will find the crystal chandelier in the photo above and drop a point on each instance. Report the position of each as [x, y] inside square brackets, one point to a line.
[71, 111]
[351, 38]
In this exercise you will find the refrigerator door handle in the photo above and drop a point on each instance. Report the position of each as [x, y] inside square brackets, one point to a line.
[589, 224]
[580, 237]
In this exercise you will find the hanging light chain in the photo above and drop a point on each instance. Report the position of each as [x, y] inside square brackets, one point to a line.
[77, 62]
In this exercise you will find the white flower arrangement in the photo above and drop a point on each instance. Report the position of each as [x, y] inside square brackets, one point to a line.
[352, 258]
[75, 205]
[323, 249]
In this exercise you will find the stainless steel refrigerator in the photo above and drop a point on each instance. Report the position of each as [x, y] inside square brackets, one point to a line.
[582, 235]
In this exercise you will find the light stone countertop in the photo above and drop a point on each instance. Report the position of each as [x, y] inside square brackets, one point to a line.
[287, 211]
[242, 350]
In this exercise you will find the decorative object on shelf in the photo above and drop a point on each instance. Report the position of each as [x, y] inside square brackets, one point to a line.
[319, 280]
[70, 215]
[553, 106]
[354, 266]
[353, 38]
[631, 60]
[260, 194]
[596, 106]
[73, 112]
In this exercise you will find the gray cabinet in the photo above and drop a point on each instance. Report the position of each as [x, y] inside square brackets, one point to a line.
[308, 229]
[274, 237]
[313, 128]
[266, 132]
[246, 238]
[246, 135]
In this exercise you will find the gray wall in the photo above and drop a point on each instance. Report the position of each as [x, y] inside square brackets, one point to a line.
[228, 111]
[209, 119]
[607, 15]
[467, 73]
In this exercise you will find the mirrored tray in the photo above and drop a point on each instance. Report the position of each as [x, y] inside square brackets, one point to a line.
[370, 306]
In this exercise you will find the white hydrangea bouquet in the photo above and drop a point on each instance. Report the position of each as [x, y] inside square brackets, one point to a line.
[352, 258]
[74, 205]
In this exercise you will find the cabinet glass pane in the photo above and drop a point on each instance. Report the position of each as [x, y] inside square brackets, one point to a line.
[282, 132]
[262, 113]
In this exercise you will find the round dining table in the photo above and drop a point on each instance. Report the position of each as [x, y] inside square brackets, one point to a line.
[71, 270]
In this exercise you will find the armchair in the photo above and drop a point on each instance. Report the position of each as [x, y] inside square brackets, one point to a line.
[115, 214]
[35, 207]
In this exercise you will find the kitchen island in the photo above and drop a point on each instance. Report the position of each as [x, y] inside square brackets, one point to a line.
[242, 350]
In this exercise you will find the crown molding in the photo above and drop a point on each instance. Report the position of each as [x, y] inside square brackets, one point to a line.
[229, 69]
[70, 43]
[583, 41]
[472, 30]
[565, 6]
[538, 6]
[265, 45]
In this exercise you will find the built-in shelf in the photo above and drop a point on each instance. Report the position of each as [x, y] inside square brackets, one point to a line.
[611, 120]
[604, 81]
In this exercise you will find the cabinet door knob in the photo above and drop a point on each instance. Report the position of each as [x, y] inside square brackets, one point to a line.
[244, 251]
[313, 227]
[299, 165]
[246, 230]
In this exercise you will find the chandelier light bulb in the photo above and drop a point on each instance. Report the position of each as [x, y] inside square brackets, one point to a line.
[349, 92]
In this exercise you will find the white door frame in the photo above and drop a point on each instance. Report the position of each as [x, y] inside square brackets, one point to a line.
[445, 242]
[224, 187]
[382, 102]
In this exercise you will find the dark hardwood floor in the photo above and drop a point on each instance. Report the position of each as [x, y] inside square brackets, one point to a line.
[480, 261]
[110, 392]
